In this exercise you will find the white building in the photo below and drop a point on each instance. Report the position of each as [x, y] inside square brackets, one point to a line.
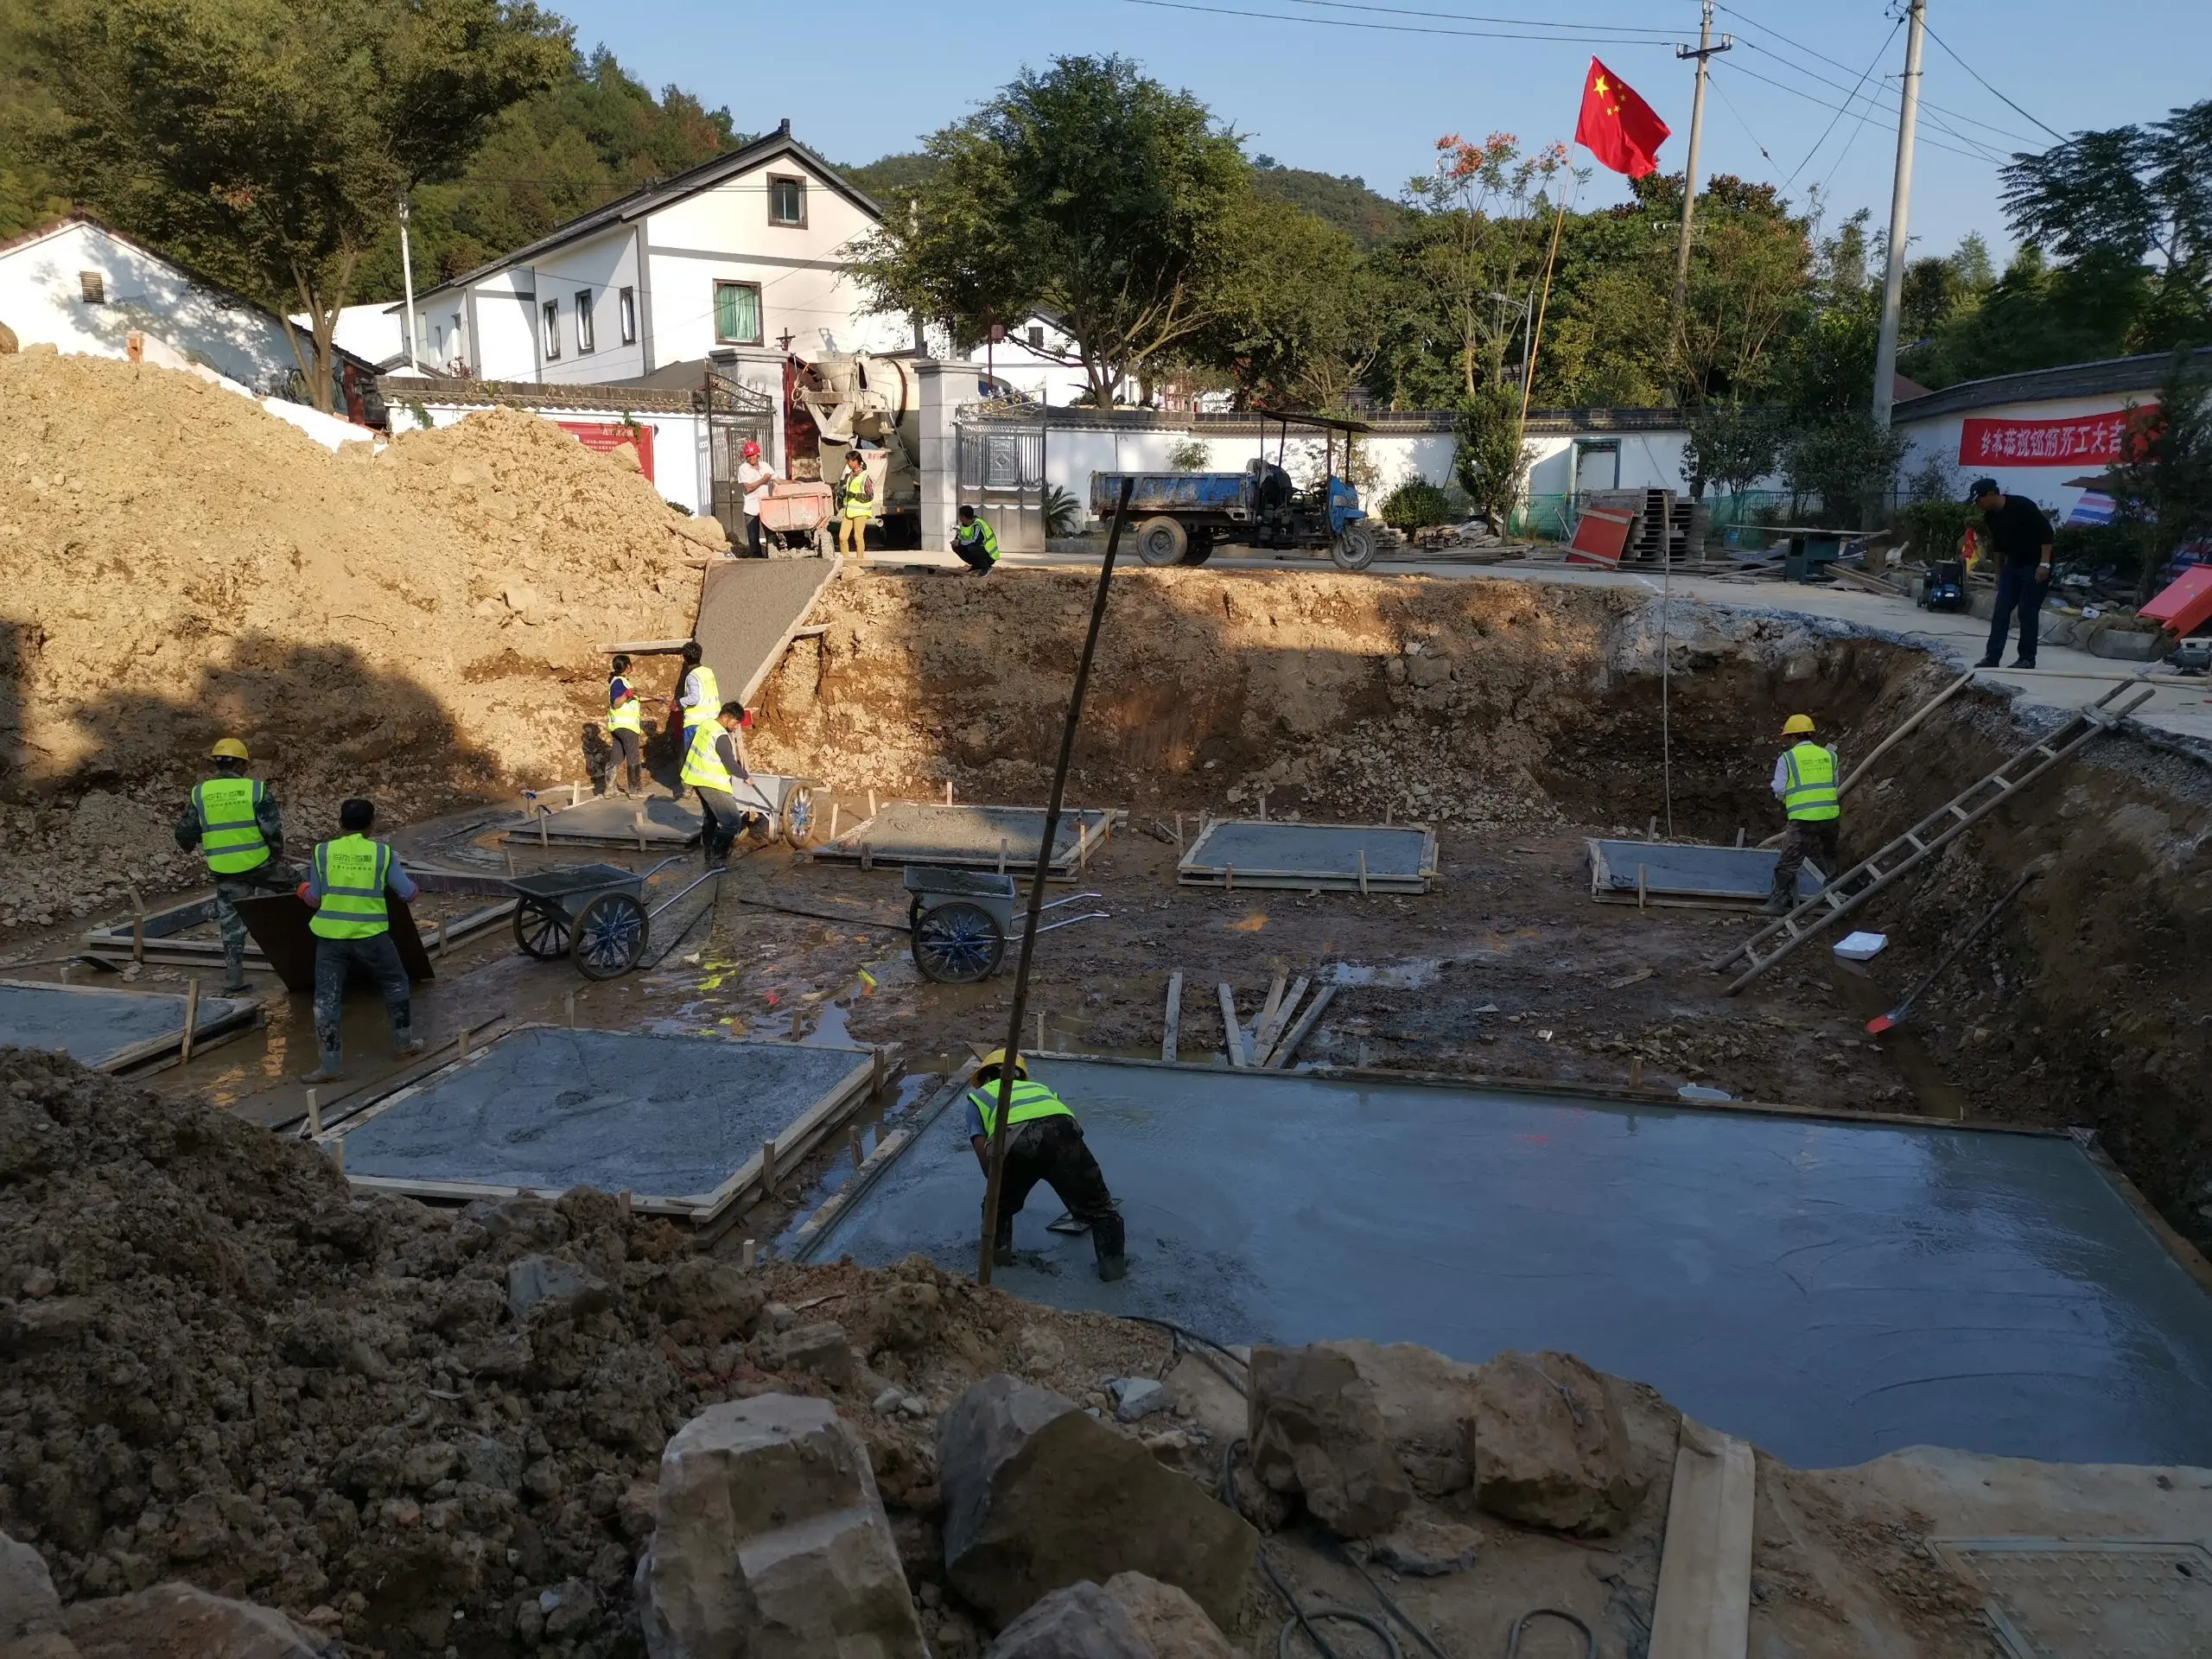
[744, 259]
[2032, 432]
[85, 289]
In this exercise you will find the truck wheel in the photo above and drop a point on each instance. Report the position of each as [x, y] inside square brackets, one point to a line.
[1161, 542]
[1200, 550]
[1355, 549]
[825, 543]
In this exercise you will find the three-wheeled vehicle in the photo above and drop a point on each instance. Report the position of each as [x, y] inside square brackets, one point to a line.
[1182, 516]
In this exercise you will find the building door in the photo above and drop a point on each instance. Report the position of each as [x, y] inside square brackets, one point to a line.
[736, 414]
[1597, 466]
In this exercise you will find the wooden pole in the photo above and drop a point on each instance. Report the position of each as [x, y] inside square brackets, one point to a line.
[137, 926]
[1906, 730]
[191, 1013]
[767, 1169]
[315, 1112]
[997, 1182]
[1536, 332]
[1173, 1027]
[1233, 1032]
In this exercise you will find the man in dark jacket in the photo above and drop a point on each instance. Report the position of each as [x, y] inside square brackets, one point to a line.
[2020, 540]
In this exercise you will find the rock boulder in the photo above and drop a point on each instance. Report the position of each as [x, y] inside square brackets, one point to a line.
[1548, 1445]
[771, 1541]
[1039, 1495]
[1131, 1618]
[176, 1621]
[1317, 1432]
[28, 1601]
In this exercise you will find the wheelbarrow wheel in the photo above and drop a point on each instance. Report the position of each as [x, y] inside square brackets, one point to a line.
[540, 928]
[610, 935]
[798, 816]
[958, 943]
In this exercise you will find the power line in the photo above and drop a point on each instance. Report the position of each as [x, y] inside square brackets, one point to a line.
[1839, 115]
[1476, 17]
[1392, 28]
[1796, 91]
[1745, 124]
[1812, 75]
[1987, 88]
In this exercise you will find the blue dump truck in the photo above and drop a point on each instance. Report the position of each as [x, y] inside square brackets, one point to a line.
[1180, 518]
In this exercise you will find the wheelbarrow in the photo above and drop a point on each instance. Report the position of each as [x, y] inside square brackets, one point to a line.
[594, 914]
[789, 803]
[961, 921]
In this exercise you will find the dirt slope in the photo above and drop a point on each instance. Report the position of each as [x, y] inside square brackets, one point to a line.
[175, 564]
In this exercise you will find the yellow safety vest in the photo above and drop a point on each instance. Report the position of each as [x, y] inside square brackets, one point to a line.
[628, 718]
[1809, 790]
[1030, 1101]
[984, 534]
[702, 766]
[352, 869]
[229, 834]
[852, 495]
[710, 698]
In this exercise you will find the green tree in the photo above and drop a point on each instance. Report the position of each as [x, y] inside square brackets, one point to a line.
[1342, 201]
[1088, 191]
[1492, 461]
[1296, 313]
[268, 141]
[1730, 446]
[2164, 487]
[1846, 461]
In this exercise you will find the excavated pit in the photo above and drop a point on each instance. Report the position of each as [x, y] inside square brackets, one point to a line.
[1505, 710]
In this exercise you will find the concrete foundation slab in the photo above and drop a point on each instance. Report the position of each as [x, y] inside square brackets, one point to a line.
[970, 837]
[748, 611]
[614, 821]
[1832, 1289]
[109, 1030]
[1269, 852]
[1671, 869]
[679, 1122]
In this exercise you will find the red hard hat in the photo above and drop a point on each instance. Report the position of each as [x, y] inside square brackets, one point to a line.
[751, 450]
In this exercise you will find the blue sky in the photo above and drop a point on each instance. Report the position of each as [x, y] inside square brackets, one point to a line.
[1366, 88]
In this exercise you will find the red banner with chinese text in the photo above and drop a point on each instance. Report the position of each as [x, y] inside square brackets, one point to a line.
[2079, 440]
[601, 436]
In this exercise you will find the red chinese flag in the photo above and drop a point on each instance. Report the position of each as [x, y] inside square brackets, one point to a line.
[1617, 126]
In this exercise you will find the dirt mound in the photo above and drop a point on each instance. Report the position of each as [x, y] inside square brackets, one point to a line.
[177, 563]
[1483, 703]
[221, 1366]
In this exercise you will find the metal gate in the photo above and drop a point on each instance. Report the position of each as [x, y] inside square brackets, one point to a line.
[1002, 457]
[736, 413]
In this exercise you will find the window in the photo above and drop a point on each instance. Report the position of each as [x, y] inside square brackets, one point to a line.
[786, 201]
[552, 329]
[627, 309]
[737, 313]
[93, 286]
[585, 339]
[1036, 336]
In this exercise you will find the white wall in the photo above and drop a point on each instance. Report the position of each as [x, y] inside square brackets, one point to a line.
[505, 325]
[680, 459]
[601, 267]
[725, 234]
[2041, 480]
[41, 299]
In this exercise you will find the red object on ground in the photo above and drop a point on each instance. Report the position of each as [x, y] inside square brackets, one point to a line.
[2186, 603]
[1599, 537]
[601, 436]
[1617, 126]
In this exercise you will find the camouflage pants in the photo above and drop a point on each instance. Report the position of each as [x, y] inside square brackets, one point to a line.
[376, 958]
[275, 876]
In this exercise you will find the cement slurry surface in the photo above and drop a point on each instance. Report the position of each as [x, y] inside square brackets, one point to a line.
[915, 832]
[90, 1025]
[1832, 1291]
[1672, 867]
[745, 606]
[550, 1108]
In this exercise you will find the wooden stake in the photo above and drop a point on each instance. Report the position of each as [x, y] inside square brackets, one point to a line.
[337, 1153]
[137, 926]
[796, 1020]
[871, 803]
[460, 1041]
[1263, 806]
[1286, 1051]
[1651, 829]
[833, 810]
[1389, 814]
[1635, 1071]
[1362, 870]
[1639, 887]
[572, 1010]
[879, 1066]
[315, 1112]
[948, 792]
[575, 794]
[1001, 854]
[1040, 1030]
[1228, 878]
[745, 1255]
[1263, 1046]
[1173, 1027]
[868, 856]
[509, 853]
[191, 1013]
[1269, 1010]
[1235, 1032]
[1739, 834]
[623, 1199]
[853, 1143]
[767, 1169]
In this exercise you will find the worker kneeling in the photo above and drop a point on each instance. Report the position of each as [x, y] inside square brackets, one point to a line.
[1805, 778]
[977, 543]
[1045, 1143]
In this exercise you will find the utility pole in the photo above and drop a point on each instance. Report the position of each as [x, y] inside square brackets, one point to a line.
[1885, 352]
[407, 281]
[1705, 50]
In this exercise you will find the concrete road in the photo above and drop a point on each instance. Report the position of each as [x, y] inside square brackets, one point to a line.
[2064, 677]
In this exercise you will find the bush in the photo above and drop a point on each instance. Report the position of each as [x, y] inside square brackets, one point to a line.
[1492, 461]
[1935, 527]
[1191, 456]
[1415, 504]
[1846, 462]
[1064, 514]
[2091, 549]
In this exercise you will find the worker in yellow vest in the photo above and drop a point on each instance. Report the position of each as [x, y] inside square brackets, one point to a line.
[351, 883]
[1045, 1143]
[856, 506]
[976, 543]
[625, 731]
[233, 819]
[1805, 777]
[714, 764]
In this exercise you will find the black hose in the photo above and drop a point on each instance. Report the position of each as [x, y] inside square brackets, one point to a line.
[1395, 1612]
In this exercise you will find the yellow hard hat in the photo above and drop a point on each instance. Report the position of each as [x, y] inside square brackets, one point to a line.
[1797, 724]
[995, 1060]
[228, 749]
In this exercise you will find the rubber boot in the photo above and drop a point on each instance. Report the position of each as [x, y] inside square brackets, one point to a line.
[1107, 1240]
[1779, 904]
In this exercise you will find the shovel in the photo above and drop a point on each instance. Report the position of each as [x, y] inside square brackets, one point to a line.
[1882, 1022]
